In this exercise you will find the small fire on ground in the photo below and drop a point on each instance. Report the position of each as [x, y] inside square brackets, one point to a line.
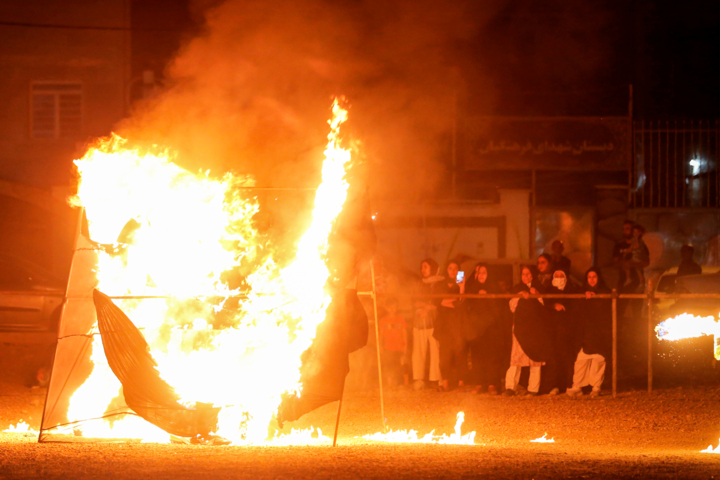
[710, 449]
[543, 439]
[21, 427]
[411, 436]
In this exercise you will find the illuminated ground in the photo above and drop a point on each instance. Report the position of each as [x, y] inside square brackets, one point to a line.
[633, 436]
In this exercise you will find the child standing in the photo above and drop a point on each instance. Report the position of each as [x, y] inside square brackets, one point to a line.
[393, 338]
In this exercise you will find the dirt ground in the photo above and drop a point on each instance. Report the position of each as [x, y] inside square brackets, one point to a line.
[633, 436]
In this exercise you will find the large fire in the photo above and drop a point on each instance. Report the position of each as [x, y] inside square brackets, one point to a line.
[188, 231]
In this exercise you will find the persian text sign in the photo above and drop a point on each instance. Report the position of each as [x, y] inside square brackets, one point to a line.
[546, 143]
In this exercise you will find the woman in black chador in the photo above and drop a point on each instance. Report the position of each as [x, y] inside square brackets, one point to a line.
[489, 348]
[563, 314]
[594, 336]
[532, 336]
[451, 331]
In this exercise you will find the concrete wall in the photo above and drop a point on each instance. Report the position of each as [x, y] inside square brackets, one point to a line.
[498, 232]
[97, 59]
[35, 222]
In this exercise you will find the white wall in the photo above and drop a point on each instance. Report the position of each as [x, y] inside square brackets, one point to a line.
[403, 246]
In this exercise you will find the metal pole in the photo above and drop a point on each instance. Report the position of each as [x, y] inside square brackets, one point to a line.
[454, 141]
[650, 334]
[337, 420]
[377, 344]
[614, 345]
[631, 156]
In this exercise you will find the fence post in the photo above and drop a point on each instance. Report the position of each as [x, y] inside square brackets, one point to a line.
[614, 344]
[377, 343]
[650, 296]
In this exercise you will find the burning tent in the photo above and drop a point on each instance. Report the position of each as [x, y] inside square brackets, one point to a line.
[182, 375]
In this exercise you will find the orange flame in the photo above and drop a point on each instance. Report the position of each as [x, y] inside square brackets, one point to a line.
[543, 439]
[411, 436]
[687, 325]
[191, 229]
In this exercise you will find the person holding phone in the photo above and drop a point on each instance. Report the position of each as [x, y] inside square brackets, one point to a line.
[449, 330]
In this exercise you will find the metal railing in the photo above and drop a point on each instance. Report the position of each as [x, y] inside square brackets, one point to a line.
[675, 164]
[614, 297]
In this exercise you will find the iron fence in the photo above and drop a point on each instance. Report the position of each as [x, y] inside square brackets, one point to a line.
[675, 164]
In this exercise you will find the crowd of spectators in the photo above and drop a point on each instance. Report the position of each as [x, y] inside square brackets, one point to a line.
[485, 344]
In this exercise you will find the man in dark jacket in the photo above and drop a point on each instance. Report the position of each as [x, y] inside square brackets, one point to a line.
[688, 265]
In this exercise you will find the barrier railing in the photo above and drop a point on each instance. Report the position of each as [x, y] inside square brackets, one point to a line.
[614, 297]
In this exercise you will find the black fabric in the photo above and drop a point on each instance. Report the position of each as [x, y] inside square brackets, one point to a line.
[482, 313]
[490, 348]
[145, 392]
[562, 263]
[595, 333]
[452, 332]
[532, 327]
[688, 268]
[325, 364]
[452, 322]
[453, 359]
[565, 327]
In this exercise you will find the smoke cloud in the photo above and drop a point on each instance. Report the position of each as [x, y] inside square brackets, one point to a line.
[252, 92]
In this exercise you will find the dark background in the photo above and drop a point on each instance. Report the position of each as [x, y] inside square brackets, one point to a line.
[554, 57]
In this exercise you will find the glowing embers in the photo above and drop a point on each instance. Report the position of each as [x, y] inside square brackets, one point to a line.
[188, 230]
[21, 427]
[686, 325]
[710, 449]
[411, 436]
[543, 439]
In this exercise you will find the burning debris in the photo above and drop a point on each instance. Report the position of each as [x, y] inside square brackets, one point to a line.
[188, 232]
[21, 427]
[411, 436]
[710, 449]
[543, 439]
[687, 325]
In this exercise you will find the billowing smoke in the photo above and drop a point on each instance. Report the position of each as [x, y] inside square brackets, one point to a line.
[252, 93]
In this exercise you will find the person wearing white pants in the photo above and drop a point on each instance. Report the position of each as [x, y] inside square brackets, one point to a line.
[425, 312]
[512, 377]
[595, 336]
[589, 370]
[424, 342]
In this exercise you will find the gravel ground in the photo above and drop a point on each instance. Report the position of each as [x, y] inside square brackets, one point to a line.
[633, 436]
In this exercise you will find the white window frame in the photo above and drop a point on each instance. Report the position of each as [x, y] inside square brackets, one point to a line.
[48, 84]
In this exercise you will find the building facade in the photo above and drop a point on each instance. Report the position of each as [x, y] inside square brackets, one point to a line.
[65, 73]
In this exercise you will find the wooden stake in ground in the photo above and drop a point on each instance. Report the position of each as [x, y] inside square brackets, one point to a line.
[377, 344]
[651, 331]
[614, 345]
[337, 420]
